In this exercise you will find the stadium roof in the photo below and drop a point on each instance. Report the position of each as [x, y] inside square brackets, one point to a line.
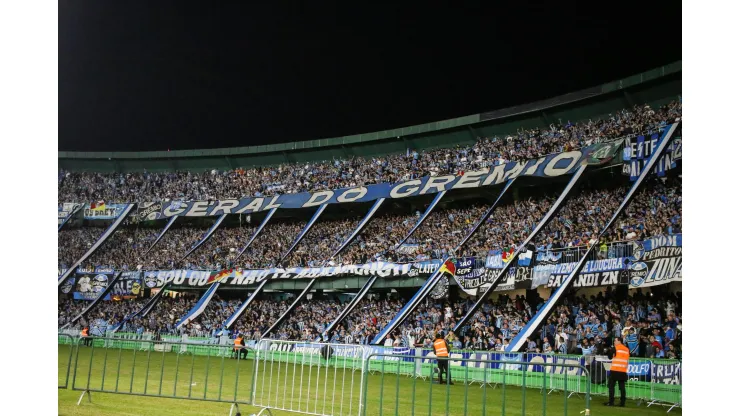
[502, 117]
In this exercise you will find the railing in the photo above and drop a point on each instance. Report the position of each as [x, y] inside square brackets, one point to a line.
[300, 377]
[573, 254]
[161, 369]
[66, 346]
[471, 384]
[315, 378]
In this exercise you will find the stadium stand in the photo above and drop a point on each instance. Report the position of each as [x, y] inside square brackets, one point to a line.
[583, 322]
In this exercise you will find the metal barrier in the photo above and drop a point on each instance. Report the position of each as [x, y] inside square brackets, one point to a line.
[66, 346]
[573, 254]
[162, 369]
[640, 385]
[477, 386]
[309, 378]
[327, 379]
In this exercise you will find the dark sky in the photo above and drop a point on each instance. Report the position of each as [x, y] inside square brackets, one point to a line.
[143, 75]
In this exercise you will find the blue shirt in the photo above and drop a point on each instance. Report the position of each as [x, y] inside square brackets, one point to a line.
[632, 343]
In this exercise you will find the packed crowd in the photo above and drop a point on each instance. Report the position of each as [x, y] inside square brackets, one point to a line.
[284, 179]
[309, 320]
[378, 240]
[259, 317]
[268, 248]
[125, 249]
[368, 318]
[168, 253]
[110, 314]
[655, 210]
[72, 244]
[221, 250]
[210, 322]
[650, 325]
[320, 243]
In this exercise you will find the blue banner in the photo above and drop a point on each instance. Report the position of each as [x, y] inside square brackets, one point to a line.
[638, 150]
[547, 166]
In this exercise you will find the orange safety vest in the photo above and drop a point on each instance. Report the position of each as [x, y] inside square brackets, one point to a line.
[238, 342]
[440, 348]
[84, 332]
[621, 359]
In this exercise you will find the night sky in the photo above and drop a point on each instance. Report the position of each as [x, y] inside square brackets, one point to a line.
[152, 75]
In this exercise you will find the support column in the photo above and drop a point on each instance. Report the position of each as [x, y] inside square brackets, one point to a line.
[485, 215]
[351, 306]
[161, 233]
[238, 313]
[423, 217]
[421, 294]
[208, 235]
[257, 232]
[200, 306]
[303, 233]
[290, 308]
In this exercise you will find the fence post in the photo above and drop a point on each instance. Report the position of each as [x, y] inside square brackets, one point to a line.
[72, 347]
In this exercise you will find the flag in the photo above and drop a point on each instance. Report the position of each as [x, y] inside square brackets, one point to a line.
[506, 254]
[217, 277]
[525, 259]
[448, 267]
[100, 205]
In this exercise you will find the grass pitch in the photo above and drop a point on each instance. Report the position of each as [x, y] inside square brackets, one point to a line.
[201, 377]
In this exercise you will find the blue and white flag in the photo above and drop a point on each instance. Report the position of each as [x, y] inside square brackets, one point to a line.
[525, 258]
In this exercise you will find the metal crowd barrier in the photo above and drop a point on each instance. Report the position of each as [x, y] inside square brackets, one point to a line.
[471, 390]
[640, 384]
[66, 346]
[160, 369]
[574, 254]
[309, 378]
[327, 379]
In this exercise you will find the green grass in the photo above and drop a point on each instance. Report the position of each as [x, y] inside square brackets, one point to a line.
[215, 378]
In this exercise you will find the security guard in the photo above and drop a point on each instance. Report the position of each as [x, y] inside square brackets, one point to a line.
[240, 349]
[442, 351]
[85, 335]
[618, 372]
